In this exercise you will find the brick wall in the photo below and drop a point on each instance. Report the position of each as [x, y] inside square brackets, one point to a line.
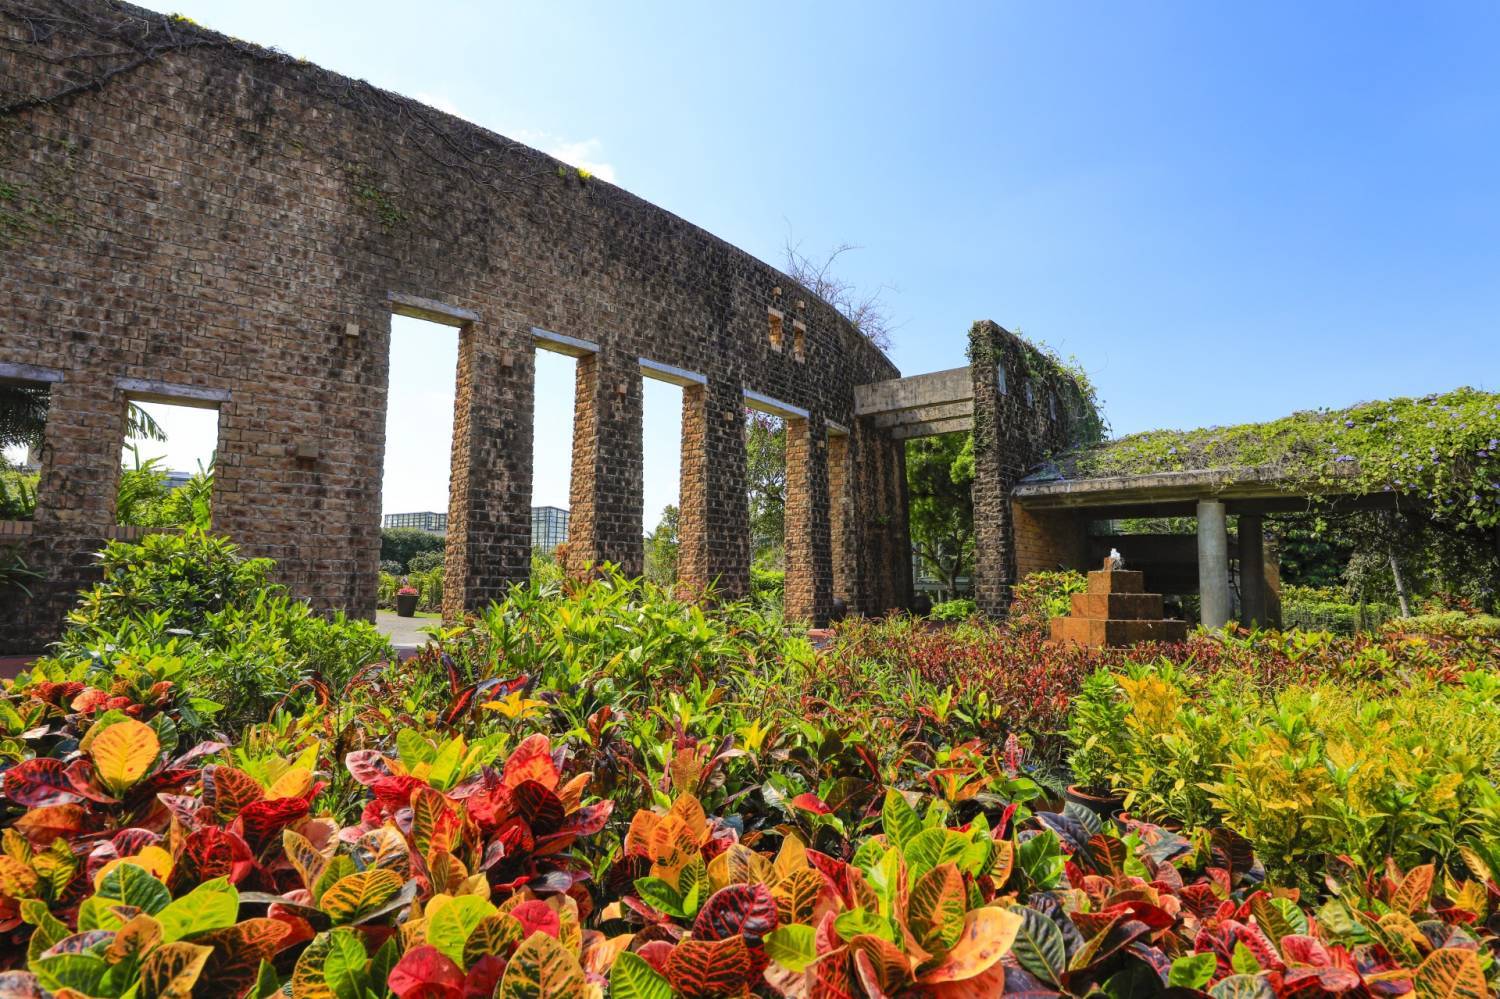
[228, 220]
[1046, 540]
[1025, 409]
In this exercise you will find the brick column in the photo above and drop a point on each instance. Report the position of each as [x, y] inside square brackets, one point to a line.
[809, 565]
[489, 502]
[881, 539]
[994, 557]
[841, 549]
[604, 524]
[714, 521]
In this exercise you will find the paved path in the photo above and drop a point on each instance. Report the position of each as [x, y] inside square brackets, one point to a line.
[404, 632]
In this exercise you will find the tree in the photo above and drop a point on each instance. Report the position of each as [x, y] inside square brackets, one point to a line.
[661, 549]
[765, 484]
[864, 310]
[939, 477]
[399, 544]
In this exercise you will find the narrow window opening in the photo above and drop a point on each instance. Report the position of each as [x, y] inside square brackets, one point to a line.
[552, 445]
[417, 479]
[776, 332]
[24, 408]
[799, 342]
[661, 467]
[167, 464]
[765, 484]
[1000, 379]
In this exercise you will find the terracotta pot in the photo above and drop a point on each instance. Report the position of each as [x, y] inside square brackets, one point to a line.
[406, 604]
[1169, 824]
[1101, 805]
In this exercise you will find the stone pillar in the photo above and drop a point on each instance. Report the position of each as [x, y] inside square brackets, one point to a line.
[489, 501]
[809, 567]
[1213, 564]
[838, 515]
[1253, 609]
[880, 555]
[604, 524]
[713, 528]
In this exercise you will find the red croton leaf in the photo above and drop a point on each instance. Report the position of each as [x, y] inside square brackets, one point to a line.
[426, 972]
[536, 803]
[483, 976]
[238, 952]
[43, 824]
[259, 821]
[809, 802]
[366, 766]
[746, 910]
[40, 781]
[710, 969]
[532, 760]
[227, 790]
[537, 917]
[206, 854]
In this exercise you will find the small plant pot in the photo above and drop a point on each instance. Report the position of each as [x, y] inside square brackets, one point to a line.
[406, 605]
[1103, 806]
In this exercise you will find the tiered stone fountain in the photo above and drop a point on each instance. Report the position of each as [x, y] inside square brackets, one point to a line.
[1116, 611]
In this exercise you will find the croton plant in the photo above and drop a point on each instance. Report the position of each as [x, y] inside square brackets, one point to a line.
[133, 866]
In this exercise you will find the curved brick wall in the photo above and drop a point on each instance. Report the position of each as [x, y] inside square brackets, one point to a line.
[226, 221]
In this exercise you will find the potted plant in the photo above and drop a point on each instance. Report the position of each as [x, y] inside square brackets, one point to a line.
[1096, 722]
[406, 600]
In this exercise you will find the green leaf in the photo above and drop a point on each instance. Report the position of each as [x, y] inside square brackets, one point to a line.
[1040, 859]
[633, 978]
[1192, 971]
[344, 966]
[899, 820]
[1243, 961]
[931, 847]
[210, 906]
[449, 930]
[660, 896]
[80, 972]
[49, 929]
[852, 922]
[1040, 947]
[1243, 987]
[936, 908]
[267, 983]
[794, 946]
[125, 884]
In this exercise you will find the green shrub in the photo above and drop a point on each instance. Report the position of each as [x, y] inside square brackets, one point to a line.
[1398, 766]
[1447, 624]
[425, 561]
[243, 640]
[1325, 609]
[399, 544]
[17, 492]
[960, 609]
[1041, 596]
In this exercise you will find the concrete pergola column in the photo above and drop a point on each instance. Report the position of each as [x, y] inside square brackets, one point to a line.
[1213, 565]
[1253, 569]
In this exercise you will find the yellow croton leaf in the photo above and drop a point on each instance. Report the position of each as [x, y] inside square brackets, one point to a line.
[294, 783]
[123, 753]
[152, 859]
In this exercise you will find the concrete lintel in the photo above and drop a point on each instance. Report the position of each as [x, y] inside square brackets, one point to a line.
[933, 388]
[668, 373]
[28, 373]
[1170, 487]
[765, 404]
[932, 428]
[561, 343]
[835, 429]
[151, 390]
[429, 309]
[926, 414]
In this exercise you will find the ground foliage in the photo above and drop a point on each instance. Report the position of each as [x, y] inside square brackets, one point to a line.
[1439, 451]
[596, 788]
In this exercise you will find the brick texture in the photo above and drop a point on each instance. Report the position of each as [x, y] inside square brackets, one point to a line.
[227, 218]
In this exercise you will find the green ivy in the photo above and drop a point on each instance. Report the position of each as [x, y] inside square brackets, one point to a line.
[1440, 450]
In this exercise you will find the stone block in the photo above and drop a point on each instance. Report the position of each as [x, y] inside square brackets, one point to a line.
[1118, 606]
[1101, 632]
[1118, 581]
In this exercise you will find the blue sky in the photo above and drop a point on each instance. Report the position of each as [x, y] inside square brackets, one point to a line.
[1227, 212]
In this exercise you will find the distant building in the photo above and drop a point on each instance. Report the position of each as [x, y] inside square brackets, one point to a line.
[426, 520]
[549, 524]
[549, 527]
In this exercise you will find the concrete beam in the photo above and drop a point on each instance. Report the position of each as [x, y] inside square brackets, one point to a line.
[430, 309]
[561, 343]
[765, 404]
[151, 390]
[668, 373]
[925, 414]
[932, 428]
[28, 373]
[933, 389]
[1226, 484]
[1213, 564]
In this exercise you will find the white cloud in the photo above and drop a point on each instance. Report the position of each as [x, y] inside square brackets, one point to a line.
[588, 154]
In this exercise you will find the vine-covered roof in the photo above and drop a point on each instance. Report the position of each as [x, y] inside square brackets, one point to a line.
[1440, 450]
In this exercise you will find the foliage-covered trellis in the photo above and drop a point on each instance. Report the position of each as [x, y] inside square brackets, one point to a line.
[1440, 450]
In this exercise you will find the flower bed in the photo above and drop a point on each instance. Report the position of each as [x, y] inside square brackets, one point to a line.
[599, 789]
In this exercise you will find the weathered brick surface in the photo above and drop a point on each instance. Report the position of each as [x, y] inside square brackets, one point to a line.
[809, 560]
[222, 217]
[1046, 540]
[1019, 419]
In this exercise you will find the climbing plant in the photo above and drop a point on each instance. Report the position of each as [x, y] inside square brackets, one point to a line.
[1442, 451]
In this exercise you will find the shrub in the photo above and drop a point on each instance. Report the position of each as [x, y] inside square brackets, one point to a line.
[399, 544]
[1042, 596]
[243, 641]
[960, 609]
[1326, 609]
[424, 562]
[1447, 624]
